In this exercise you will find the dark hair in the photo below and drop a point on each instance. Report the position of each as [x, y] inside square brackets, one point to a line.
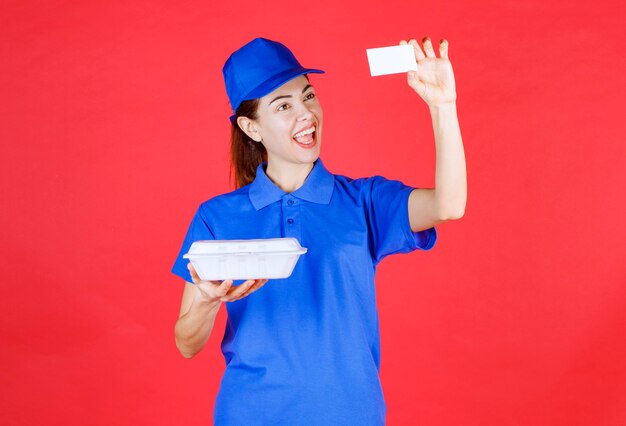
[245, 153]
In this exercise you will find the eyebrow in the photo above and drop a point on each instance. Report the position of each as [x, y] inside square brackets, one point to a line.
[288, 96]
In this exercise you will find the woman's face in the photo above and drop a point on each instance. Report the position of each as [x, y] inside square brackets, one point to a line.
[289, 124]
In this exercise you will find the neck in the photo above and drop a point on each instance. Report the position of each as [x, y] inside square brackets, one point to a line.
[288, 177]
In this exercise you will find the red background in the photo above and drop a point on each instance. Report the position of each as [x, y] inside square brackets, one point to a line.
[114, 128]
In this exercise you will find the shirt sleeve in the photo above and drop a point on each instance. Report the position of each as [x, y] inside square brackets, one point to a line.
[388, 220]
[198, 230]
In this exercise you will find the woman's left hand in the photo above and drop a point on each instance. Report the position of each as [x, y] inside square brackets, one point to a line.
[434, 78]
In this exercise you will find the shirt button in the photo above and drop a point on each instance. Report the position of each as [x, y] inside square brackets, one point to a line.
[290, 202]
[290, 221]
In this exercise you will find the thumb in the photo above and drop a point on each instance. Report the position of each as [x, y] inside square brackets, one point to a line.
[415, 83]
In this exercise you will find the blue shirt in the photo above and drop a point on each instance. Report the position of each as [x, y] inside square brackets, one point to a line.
[305, 350]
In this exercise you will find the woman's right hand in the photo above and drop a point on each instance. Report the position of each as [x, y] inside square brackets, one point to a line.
[224, 291]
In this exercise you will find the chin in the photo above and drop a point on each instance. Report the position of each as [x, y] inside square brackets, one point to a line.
[310, 157]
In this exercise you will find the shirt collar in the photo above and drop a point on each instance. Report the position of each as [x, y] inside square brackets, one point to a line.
[318, 187]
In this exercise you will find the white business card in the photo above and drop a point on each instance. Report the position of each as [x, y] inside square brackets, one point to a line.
[391, 60]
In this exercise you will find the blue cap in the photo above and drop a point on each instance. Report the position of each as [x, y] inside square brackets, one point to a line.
[258, 68]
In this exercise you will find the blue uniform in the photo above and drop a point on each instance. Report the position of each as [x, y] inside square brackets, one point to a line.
[305, 350]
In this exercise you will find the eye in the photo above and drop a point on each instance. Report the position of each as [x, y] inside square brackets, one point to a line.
[282, 107]
[311, 95]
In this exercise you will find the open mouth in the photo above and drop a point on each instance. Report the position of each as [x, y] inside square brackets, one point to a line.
[306, 138]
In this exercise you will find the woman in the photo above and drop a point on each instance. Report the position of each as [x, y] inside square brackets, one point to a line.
[305, 350]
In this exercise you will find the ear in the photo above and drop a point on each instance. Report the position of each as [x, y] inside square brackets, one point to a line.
[249, 127]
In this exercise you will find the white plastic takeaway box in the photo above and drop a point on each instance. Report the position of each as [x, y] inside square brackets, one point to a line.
[244, 259]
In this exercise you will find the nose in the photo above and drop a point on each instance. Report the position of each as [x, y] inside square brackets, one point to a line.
[304, 113]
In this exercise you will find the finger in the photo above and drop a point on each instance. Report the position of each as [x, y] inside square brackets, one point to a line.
[443, 48]
[428, 47]
[223, 288]
[245, 293]
[416, 84]
[402, 42]
[419, 55]
[257, 285]
[236, 292]
[215, 289]
[249, 291]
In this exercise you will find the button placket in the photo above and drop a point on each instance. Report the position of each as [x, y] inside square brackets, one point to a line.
[291, 215]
